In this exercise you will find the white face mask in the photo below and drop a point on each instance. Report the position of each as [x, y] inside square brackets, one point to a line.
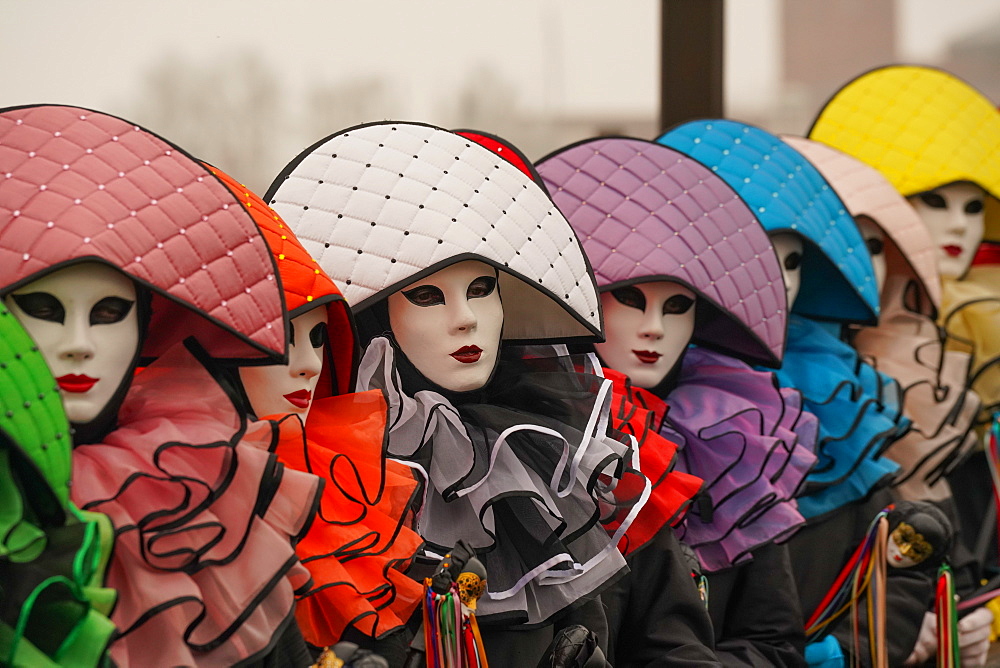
[954, 216]
[875, 241]
[647, 327]
[449, 325]
[279, 389]
[83, 319]
[906, 547]
[788, 247]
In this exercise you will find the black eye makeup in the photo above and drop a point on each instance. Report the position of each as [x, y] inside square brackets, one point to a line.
[793, 261]
[677, 305]
[933, 200]
[110, 310]
[425, 295]
[631, 297]
[481, 287]
[974, 206]
[318, 335]
[41, 305]
[875, 246]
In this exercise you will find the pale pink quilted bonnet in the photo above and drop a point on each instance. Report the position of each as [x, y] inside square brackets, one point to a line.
[867, 193]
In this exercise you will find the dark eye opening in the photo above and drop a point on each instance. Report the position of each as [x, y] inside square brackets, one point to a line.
[631, 297]
[875, 246]
[425, 295]
[41, 305]
[481, 287]
[934, 200]
[974, 206]
[110, 310]
[318, 335]
[677, 305]
[793, 261]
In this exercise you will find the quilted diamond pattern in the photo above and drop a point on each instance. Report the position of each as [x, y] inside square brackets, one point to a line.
[921, 127]
[646, 212]
[867, 193]
[305, 285]
[79, 185]
[381, 205]
[787, 193]
[31, 411]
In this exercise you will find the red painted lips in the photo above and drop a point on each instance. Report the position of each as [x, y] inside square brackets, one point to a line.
[952, 250]
[299, 398]
[78, 384]
[468, 354]
[647, 356]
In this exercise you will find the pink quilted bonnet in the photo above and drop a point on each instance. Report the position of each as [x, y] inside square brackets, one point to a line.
[867, 193]
[80, 185]
[645, 212]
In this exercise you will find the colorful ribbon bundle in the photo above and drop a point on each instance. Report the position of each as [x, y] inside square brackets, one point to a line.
[945, 608]
[450, 637]
[451, 634]
[864, 573]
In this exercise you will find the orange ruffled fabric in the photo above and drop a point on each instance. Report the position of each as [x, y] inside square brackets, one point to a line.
[909, 347]
[205, 521]
[672, 491]
[360, 542]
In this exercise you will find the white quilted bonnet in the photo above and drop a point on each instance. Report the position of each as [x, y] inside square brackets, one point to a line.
[381, 205]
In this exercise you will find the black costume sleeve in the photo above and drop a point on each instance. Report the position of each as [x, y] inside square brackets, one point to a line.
[755, 612]
[964, 565]
[656, 617]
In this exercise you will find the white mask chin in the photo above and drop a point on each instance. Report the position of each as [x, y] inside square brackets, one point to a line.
[788, 247]
[647, 326]
[449, 325]
[288, 388]
[875, 241]
[83, 319]
[954, 216]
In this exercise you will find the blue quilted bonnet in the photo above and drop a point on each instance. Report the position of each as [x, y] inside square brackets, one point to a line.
[787, 193]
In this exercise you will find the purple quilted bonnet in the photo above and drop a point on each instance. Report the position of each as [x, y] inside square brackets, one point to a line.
[645, 212]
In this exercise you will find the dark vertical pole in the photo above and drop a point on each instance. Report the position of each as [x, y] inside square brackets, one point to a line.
[691, 60]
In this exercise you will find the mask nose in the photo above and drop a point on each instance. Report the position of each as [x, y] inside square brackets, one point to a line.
[463, 317]
[78, 344]
[652, 326]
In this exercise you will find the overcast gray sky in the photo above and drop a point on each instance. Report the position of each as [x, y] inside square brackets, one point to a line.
[582, 55]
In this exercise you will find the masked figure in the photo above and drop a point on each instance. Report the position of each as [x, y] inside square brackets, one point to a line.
[830, 279]
[949, 134]
[937, 142]
[359, 543]
[679, 258]
[53, 555]
[117, 249]
[907, 344]
[449, 254]
[920, 536]
[831, 282]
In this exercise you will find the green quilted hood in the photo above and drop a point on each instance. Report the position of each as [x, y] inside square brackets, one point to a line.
[31, 411]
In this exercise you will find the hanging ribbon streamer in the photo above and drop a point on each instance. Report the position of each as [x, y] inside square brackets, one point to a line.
[875, 601]
[450, 636]
[947, 619]
[864, 573]
[993, 460]
[451, 633]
